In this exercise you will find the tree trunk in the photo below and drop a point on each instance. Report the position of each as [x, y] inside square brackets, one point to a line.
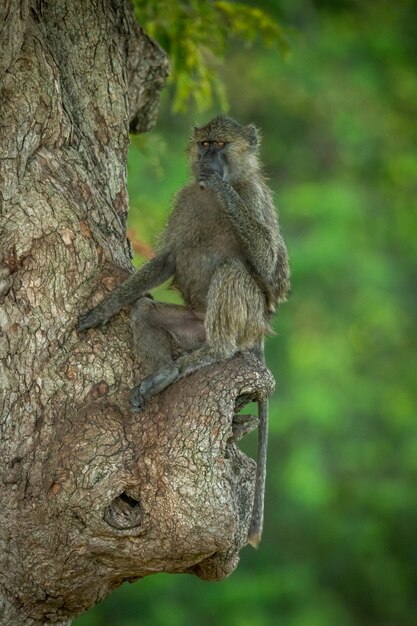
[92, 495]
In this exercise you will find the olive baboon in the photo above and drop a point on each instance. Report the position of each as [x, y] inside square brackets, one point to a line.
[224, 250]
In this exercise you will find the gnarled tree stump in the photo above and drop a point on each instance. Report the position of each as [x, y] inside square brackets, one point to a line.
[91, 494]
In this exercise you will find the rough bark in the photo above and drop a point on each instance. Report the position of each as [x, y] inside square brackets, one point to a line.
[92, 495]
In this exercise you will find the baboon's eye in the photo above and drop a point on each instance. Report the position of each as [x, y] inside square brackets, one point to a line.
[205, 144]
[220, 144]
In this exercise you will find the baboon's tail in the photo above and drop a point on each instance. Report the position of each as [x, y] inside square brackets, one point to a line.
[257, 522]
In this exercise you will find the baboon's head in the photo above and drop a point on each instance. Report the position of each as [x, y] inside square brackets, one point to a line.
[225, 146]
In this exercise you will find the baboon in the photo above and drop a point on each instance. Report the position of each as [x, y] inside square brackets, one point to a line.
[224, 250]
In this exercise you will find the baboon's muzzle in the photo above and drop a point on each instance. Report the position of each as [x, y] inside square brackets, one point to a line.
[213, 159]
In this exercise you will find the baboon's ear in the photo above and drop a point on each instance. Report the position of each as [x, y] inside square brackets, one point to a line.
[252, 135]
[194, 131]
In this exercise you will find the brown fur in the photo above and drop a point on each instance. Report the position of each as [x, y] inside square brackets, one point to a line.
[224, 251]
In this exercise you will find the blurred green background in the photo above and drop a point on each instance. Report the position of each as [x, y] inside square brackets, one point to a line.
[339, 123]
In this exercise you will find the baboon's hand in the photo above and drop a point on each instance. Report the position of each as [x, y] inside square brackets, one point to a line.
[93, 318]
[209, 178]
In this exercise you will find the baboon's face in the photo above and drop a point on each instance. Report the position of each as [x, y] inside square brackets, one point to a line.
[212, 156]
[225, 147]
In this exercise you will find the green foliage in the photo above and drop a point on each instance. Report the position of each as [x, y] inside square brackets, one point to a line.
[340, 136]
[196, 35]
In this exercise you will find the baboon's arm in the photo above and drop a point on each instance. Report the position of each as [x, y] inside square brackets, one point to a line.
[262, 244]
[153, 273]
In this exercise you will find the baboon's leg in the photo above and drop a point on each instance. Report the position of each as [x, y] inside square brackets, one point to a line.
[157, 328]
[235, 318]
